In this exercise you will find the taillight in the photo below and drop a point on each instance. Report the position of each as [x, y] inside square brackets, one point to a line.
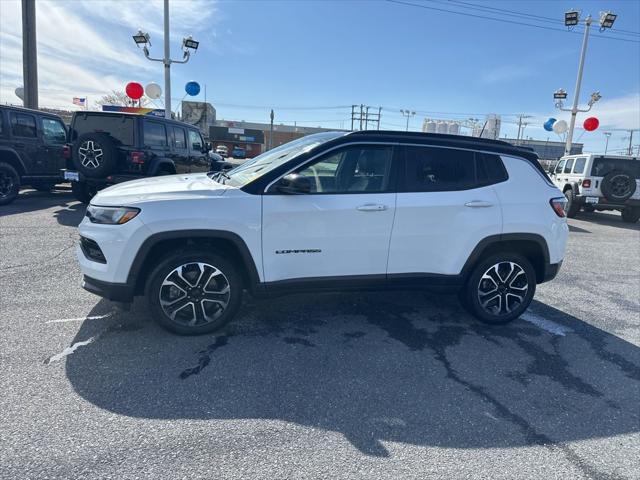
[558, 206]
[66, 152]
[586, 183]
[137, 158]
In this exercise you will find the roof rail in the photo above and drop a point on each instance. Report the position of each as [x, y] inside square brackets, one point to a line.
[434, 136]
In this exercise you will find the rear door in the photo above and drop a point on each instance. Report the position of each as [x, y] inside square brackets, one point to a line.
[179, 150]
[54, 137]
[26, 142]
[155, 141]
[445, 207]
[342, 228]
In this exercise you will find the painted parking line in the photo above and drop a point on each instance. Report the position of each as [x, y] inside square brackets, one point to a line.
[80, 319]
[545, 324]
[68, 351]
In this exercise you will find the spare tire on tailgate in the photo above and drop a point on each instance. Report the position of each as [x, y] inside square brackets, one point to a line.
[94, 154]
[618, 186]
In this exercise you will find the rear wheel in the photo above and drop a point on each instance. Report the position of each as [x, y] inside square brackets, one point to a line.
[500, 288]
[630, 214]
[194, 292]
[9, 183]
[83, 191]
[571, 208]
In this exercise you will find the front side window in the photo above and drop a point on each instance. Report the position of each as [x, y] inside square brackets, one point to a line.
[357, 169]
[560, 166]
[439, 169]
[179, 139]
[53, 131]
[154, 134]
[195, 141]
[568, 166]
[23, 125]
[579, 166]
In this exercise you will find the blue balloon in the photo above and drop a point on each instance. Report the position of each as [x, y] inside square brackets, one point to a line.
[548, 125]
[192, 88]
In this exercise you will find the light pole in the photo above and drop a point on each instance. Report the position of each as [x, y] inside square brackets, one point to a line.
[571, 19]
[408, 114]
[606, 145]
[188, 44]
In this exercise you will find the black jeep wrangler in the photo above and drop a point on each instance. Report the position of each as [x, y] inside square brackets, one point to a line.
[31, 150]
[109, 147]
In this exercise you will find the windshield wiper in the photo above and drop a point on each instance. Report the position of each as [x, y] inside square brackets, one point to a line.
[220, 175]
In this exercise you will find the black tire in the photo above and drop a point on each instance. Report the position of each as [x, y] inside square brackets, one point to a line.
[494, 312]
[191, 260]
[630, 214]
[9, 183]
[572, 207]
[43, 186]
[618, 186]
[83, 191]
[94, 154]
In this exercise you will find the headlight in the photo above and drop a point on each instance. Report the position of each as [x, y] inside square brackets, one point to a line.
[111, 215]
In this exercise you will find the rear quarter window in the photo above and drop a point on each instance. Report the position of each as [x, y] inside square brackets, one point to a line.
[119, 127]
[155, 134]
[490, 169]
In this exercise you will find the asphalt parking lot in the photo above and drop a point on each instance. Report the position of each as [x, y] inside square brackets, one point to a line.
[394, 385]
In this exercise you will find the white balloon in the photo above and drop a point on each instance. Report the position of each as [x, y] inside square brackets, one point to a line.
[19, 93]
[153, 90]
[560, 127]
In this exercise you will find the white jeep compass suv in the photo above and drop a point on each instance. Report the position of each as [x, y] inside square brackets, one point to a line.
[331, 211]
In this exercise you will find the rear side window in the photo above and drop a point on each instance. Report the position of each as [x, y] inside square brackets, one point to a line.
[154, 134]
[568, 166]
[179, 138]
[439, 169]
[490, 169]
[119, 127]
[603, 165]
[579, 166]
[53, 131]
[23, 125]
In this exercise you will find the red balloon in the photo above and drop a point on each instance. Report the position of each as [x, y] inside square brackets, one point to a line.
[591, 123]
[134, 90]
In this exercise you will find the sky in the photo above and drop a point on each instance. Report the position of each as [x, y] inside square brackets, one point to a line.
[311, 60]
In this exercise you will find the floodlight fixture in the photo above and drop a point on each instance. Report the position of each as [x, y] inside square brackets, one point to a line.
[571, 18]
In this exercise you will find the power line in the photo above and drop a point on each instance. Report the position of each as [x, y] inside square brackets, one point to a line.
[475, 6]
[409, 4]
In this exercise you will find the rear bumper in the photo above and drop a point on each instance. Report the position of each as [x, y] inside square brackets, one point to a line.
[551, 271]
[606, 204]
[117, 292]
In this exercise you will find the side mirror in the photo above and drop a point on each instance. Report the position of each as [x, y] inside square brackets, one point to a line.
[294, 184]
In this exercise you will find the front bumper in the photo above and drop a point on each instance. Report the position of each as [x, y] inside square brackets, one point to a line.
[551, 271]
[117, 292]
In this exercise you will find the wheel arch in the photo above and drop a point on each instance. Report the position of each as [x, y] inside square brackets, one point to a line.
[159, 244]
[162, 164]
[12, 158]
[530, 245]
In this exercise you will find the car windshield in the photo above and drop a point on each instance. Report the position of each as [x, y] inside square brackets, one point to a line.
[603, 165]
[264, 163]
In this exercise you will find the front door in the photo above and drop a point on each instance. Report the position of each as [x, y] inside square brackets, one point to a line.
[342, 227]
[198, 156]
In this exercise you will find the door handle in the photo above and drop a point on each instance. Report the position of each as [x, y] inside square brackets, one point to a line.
[478, 204]
[371, 207]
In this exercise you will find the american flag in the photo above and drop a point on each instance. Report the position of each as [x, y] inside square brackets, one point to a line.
[79, 101]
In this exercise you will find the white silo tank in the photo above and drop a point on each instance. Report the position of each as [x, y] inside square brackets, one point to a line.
[454, 128]
[431, 126]
[442, 127]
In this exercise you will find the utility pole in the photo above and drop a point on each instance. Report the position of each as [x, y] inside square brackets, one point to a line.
[271, 130]
[353, 115]
[606, 145]
[29, 54]
[630, 149]
[520, 129]
[361, 115]
[366, 118]
[379, 115]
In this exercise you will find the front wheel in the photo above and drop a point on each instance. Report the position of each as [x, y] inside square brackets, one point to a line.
[500, 288]
[194, 292]
[571, 207]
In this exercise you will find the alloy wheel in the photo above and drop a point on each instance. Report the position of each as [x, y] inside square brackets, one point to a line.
[194, 294]
[502, 288]
[6, 184]
[90, 154]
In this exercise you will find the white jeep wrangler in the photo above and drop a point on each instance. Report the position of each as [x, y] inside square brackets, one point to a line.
[599, 182]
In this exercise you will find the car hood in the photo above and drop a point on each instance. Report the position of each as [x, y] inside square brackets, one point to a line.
[160, 188]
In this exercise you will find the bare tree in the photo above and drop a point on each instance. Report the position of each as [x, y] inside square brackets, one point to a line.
[118, 97]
